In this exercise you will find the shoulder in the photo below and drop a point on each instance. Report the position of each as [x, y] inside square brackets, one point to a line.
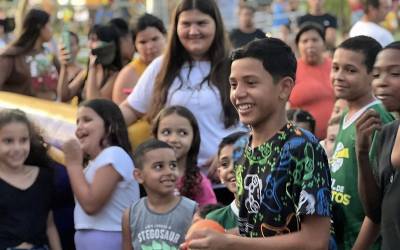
[187, 204]
[114, 151]
[329, 16]
[114, 155]
[216, 214]
[301, 142]
[303, 18]
[139, 204]
[260, 33]
[157, 63]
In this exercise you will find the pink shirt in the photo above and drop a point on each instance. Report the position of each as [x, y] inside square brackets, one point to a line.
[206, 194]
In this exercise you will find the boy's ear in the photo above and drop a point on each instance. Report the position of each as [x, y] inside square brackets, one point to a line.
[286, 85]
[137, 174]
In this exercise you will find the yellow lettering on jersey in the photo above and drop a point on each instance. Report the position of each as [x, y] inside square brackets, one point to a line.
[341, 198]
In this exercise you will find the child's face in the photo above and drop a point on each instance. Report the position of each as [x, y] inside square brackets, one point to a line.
[226, 173]
[14, 144]
[330, 140]
[254, 94]
[349, 75]
[90, 131]
[177, 132]
[386, 83]
[159, 173]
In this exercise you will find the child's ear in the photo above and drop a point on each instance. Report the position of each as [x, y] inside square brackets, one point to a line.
[137, 174]
[287, 85]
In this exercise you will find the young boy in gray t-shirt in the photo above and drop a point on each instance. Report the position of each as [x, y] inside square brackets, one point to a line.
[160, 220]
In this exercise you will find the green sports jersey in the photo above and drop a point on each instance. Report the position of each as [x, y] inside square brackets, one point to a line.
[348, 213]
[225, 216]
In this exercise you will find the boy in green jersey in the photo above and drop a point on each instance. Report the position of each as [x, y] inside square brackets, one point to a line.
[351, 77]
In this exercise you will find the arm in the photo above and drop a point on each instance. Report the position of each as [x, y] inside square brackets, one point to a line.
[130, 114]
[91, 196]
[126, 78]
[52, 233]
[368, 234]
[367, 187]
[314, 234]
[126, 231]
[65, 89]
[92, 83]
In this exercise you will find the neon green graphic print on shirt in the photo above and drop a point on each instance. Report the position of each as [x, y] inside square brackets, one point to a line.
[348, 213]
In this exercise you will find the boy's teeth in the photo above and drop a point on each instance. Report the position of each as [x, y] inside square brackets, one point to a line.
[245, 106]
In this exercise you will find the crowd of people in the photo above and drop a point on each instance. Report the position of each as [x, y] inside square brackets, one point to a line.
[303, 133]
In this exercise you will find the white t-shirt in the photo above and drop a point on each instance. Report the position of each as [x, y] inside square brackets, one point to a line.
[380, 34]
[109, 218]
[203, 100]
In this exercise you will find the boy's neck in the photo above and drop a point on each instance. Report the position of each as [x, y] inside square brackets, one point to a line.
[162, 203]
[266, 130]
[356, 105]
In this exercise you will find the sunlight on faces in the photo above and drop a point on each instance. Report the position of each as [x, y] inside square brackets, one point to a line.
[159, 172]
[311, 47]
[226, 173]
[196, 32]
[349, 75]
[149, 43]
[90, 131]
[177, 132]
[253, 93]
[386, 83]
[14, 144]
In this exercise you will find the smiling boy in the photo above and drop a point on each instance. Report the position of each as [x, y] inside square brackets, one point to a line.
[351, 77]
[283, 178]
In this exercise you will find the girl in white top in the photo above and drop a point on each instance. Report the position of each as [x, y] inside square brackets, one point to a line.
[193, 72]
[105, 188]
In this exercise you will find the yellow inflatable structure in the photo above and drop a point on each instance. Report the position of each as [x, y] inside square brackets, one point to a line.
[57, 120]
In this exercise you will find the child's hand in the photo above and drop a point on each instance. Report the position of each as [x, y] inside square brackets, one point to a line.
[366, 125]
[205, 239]
[92, 60]
[73, 153]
